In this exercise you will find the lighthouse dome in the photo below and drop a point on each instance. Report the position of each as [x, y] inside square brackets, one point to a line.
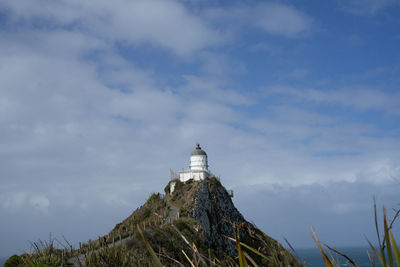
[198, 151]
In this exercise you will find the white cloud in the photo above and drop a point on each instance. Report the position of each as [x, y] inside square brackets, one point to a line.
[381, 172]
[160, 23]
[271, 17]
[282, 20]
[62, 127]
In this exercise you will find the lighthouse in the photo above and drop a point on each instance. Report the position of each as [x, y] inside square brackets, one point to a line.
[198, 166]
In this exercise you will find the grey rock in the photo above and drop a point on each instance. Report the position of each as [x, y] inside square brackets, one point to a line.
[215, 212]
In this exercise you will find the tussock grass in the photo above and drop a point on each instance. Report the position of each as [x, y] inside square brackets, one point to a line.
[43, 253]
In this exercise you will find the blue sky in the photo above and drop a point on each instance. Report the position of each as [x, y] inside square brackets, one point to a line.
[297, 104]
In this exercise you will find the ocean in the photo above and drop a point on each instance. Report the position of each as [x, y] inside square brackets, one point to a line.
[313, 258]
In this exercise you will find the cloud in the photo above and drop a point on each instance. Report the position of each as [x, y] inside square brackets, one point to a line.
[159, 23]
[40, 202]
[281, 19]
[56, 117]
[14, 202]
[271, 17]
[366, 7]
[220, 65]
[363, 98]
[213, 90]
[383, 171]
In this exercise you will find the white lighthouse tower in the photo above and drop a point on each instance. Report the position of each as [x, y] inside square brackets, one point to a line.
[198, 167]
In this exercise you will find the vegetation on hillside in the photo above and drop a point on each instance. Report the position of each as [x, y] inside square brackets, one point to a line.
[161, 231]
[45, 254]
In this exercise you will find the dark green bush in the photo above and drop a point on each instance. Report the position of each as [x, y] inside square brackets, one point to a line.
[117, 226]
[14, 261]
[154, 197]
[146, 214]
[183, 212]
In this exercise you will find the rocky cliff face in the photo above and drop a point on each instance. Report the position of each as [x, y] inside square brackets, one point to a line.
[214, 211]
[210, 205]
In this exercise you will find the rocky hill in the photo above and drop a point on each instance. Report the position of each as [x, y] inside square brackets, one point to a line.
[194, 224]
[196, 219]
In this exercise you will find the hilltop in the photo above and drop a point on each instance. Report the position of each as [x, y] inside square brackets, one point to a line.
[194, 222]
[195, 216]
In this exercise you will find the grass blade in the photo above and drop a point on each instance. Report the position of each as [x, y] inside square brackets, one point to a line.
[250, 259]
[248, 247]
[371, 259]
[376, 224]
[387, 238]
[376, 252]
[396, 215]
[188, 243]
[191, 263]
[327, 261]
[242, 259]
[342, 254]
[156, 260]
[290, 246]
[395, 249]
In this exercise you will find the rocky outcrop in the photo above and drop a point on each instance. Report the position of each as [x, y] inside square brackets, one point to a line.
[214, 211]
[203, 213]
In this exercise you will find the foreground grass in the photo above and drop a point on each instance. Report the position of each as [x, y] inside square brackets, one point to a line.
[45, 254]
[187, 253]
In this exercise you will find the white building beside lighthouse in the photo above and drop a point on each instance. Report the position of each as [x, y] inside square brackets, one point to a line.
[198, 166]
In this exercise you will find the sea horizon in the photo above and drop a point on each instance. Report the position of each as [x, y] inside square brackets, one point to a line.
[313, 258]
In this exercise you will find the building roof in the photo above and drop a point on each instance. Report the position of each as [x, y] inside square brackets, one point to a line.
[198, 151]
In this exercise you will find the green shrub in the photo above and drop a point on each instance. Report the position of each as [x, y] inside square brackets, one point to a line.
[146, 214]
[183, 212]
[113, 256]
[182, 225]
[153, 198]
[116, 227]
[14, 261]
